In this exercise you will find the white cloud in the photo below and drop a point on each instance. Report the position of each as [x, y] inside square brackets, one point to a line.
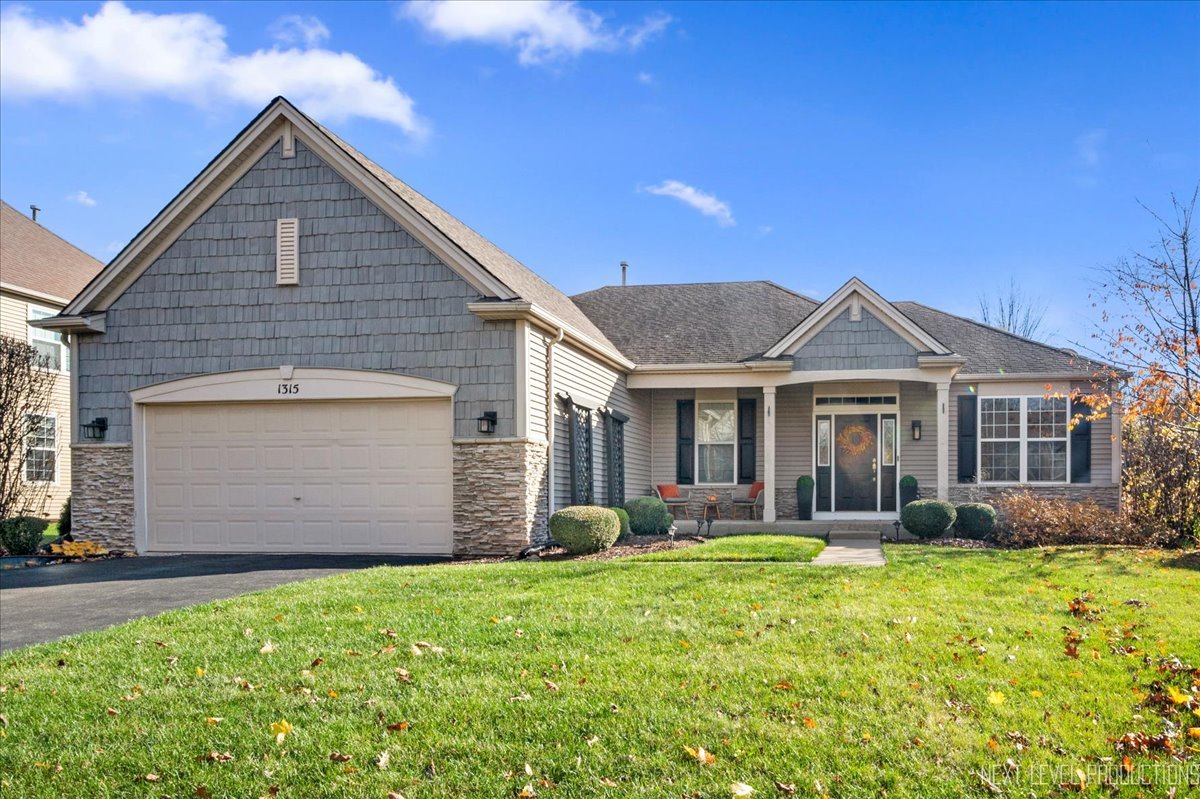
[539, 30]
[1089, 147]
[119, 52]
[645, 78]
[702, 201]
[81, 197]
[297, 29]
[765, 230]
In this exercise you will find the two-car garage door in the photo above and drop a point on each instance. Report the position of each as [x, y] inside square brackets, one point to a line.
[332, 476]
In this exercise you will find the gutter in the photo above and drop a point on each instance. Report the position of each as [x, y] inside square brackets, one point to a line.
[92, 323]
[543, 319]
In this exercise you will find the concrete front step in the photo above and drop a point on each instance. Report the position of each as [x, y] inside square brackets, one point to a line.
[839, 536]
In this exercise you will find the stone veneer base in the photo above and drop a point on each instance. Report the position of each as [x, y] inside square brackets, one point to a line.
[499, 496]
[1106, 496]
[102, 494]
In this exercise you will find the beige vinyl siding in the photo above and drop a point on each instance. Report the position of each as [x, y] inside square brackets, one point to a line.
[535, 379]
[793, 435]
[663, 444]
[919, 458]
[14, 322]
[596, 386]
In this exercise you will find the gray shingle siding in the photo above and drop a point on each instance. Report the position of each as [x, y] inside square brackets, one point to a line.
[370, 297]
[866, 344]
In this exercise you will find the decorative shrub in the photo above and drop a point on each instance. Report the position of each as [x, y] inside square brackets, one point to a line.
[1028, 520]
[624, 519]
[908, 490]
[64, 518]
[649, 516]
[927, 518]
[974, 519]
[22, 535]
[584, 529]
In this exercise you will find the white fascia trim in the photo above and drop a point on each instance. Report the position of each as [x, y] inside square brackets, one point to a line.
[841, 299]
[544, 320]
[751, 379]
[1008, 377]
[33, 294]
[713, 368]
[237, 158]
[941, 360]
[92, 323]
[265, 385]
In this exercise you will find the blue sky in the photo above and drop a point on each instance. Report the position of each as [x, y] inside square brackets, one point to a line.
[936, 151]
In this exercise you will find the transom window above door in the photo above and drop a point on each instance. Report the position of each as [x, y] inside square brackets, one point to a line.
[716, 441]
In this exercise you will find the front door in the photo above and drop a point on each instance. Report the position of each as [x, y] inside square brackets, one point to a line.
[856, 453]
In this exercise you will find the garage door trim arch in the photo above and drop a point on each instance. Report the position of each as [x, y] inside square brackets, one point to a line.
[266, 386]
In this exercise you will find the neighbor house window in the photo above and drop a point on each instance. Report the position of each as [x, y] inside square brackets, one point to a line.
[1023, 439]
[41, 442]
[52, 352]
[716, 441]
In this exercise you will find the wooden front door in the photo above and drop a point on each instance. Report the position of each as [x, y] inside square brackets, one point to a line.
[856, 462]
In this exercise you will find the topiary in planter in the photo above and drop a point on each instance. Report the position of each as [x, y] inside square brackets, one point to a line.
[974, 519]
[804, 495]
[648, 516]
[908, 489]
[22, 535]
[927, 518]
[624, 519]
[584, 529]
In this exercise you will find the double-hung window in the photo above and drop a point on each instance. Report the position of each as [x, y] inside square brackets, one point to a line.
[41, 446]
[716, 441]
[52, 351]
[1023, 439]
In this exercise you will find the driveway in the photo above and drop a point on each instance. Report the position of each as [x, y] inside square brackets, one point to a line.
[48, 602]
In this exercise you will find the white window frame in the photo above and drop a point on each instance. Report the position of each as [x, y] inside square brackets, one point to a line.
[1024, 440]
[34, 312]
[715, 398]
[25, 448]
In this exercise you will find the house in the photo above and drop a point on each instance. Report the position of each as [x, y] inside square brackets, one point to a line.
[301, 353]
[39, 274]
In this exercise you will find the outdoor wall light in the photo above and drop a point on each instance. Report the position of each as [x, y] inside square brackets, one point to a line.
[487, 422]
[916, 428]
[97, 429]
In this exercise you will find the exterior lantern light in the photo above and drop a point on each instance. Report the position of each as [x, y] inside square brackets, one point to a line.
[487, 422]
[97, 429]
[916, 429]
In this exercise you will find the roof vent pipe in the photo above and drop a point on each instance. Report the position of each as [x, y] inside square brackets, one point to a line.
[624, 272]
[33, 212]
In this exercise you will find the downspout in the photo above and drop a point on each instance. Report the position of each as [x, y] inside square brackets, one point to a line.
[550, 423]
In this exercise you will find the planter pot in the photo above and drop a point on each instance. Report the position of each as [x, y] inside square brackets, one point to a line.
[907, 495]
[804, 497]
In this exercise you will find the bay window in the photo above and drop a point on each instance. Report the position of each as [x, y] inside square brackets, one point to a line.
[1023, 439]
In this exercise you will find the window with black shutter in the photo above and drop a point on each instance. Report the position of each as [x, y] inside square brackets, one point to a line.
[747, 424]
[685, 442]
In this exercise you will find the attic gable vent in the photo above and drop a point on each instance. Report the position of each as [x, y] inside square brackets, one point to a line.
[287, 252]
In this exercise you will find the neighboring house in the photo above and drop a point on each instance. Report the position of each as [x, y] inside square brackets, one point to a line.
[302, 353]
[39, 274]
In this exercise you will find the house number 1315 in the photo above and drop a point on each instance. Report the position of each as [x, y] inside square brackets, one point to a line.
[288, 388]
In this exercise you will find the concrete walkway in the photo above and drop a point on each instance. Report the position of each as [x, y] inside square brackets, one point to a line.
[851, 551]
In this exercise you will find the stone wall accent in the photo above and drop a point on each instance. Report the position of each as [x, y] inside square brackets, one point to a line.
[499, 496]
[102, 494]
[1107, 496]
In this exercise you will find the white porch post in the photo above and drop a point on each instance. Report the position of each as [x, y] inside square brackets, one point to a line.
[769, 453]
[943, 440]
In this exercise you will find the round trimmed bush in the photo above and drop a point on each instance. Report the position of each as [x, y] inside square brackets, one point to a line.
[974, 519]
[22, 535]
[584, 529]
[649, 516]
[927, 518]
[624, 518]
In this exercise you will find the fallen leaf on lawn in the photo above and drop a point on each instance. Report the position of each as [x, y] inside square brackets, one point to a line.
[700, 756]
[388, 632]
[991, 787]
[684, 644]
[1127, 764]
[1178, 697]
[280, 730]
[381, 762]
[112, 711]
[785, 787]
[338, 757]
[267, 648]
[810, 723]
[1035, 694]
[527, 792]
[403, 676]
[399, 726]
[866, 736]
[607, 783]
[202, 792]
[1194, 732]
[358, 608]
[550, 686]
[395, 795]
[595, 739]
[199, 672]
[740, 789]
[316, 663]
[213, 720]
[993, 744]
[218, 757]
[783, 685]
[152, 778]
[995, 698]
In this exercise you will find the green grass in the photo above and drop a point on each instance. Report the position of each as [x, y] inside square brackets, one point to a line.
[647, 659]
[50, 533]
[741, 548]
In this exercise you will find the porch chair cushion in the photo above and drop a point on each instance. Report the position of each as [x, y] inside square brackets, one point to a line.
[668, 491]
[757, 489]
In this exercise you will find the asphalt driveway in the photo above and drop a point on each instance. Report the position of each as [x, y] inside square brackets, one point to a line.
[46, 603]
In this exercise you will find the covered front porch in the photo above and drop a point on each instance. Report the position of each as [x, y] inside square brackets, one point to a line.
[855, 438]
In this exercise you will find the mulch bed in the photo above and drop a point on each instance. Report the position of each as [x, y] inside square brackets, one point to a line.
[633, 545]
[957, 543]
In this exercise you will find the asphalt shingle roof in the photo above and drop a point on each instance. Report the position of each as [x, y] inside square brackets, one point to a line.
[33, 258]
[731, 322]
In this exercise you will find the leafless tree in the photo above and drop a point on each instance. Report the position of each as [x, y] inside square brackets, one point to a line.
[25, 394]
[1014, 310]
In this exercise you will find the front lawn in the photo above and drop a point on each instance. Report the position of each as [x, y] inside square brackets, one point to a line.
[771, 548]
[606, 678]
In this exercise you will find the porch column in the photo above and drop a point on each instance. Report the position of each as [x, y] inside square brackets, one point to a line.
[943, 440]
[769, 453]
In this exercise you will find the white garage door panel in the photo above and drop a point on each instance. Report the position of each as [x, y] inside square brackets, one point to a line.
[367, 476]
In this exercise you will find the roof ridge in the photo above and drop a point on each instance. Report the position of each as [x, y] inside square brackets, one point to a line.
[770, 283]
[74, 247]
[994, 329]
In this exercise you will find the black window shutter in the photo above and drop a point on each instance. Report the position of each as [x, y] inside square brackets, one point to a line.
[747, 410]
[1081, 443]
[685, 441]
[967, 436]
